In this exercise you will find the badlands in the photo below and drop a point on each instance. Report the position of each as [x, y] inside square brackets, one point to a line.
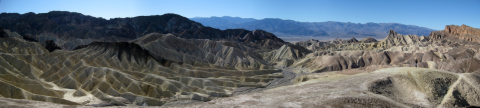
[171, 61]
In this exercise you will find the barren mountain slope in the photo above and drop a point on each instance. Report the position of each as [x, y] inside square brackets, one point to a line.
[391, 87]
[397, 50]
[122, 73]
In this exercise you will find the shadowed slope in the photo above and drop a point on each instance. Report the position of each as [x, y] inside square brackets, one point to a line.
[70, 29]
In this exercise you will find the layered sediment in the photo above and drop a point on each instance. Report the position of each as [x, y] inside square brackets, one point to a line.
[123, 73]
[179, 63]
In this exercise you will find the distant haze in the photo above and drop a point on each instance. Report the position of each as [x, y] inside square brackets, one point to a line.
[293, 31]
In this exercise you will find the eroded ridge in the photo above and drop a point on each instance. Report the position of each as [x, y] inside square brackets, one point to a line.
[118, 73]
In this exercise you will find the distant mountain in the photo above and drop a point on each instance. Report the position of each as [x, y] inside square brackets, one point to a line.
[294, 28]
[223, 23]
[70, 29]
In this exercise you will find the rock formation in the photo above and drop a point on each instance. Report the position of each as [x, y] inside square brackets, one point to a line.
[121, 73]
[395, 50]
[391, 87]
[394, 39]
[286, 55]
[313, 44]
[368, 40]
[340, 41]
[460, 32]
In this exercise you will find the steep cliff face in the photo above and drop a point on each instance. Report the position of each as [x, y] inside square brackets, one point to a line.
[460, 32]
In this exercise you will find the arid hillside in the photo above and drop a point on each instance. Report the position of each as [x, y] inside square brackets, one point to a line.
[42, 64]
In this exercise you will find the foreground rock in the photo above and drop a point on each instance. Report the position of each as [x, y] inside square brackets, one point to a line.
[390, 87]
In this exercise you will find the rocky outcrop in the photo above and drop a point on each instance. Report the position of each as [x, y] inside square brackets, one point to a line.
[368, 40]
[313, 44]
[340, 41]
[286, 55]
[463, 32]
[317, 45]
[454, 55]
[390, 87]
[394, 39]
[458, 60]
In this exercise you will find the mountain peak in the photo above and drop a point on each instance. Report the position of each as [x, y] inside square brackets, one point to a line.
[392, 33]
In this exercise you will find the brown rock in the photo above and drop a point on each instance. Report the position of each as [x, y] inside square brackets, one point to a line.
[461, 32]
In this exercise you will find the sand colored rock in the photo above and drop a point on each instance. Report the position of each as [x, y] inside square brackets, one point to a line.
[109, 71]
[394, 39]
[286, 54]
[368, 40]
[313, 44]
[202, 52]
[389, 87]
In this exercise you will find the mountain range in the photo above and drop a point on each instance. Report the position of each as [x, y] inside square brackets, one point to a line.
[286, 28]
[71, 29]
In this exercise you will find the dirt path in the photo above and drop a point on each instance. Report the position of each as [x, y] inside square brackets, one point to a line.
[288, 76]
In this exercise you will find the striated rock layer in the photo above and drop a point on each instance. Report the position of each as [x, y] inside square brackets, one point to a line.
[395, 50]
[123, 73]
[391, 87]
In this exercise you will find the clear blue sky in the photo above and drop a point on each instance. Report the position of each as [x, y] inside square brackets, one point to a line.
[433, 14]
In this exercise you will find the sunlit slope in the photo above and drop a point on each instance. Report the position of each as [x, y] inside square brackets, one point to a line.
[109, 70]
[390, 87]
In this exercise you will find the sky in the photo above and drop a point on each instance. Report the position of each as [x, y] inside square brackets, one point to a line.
[434, 14]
